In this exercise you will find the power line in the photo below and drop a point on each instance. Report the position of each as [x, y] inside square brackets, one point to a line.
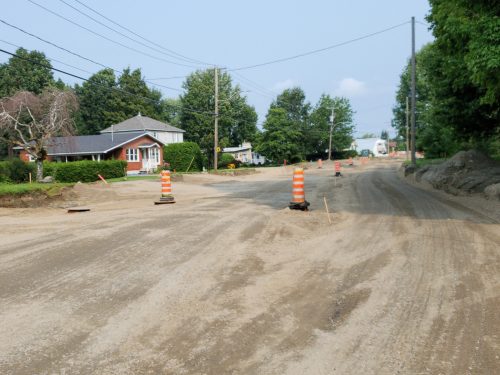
[124, 35]
[320, 49]
[264, 91]
[50, 58]
[80, 56]
[55, 45]
[44, 65]
[141, 37]
[109, 39]
[167, 78]
[95, 83]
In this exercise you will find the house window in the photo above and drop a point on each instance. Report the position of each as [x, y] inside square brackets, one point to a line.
[155, 155]
[132, 154]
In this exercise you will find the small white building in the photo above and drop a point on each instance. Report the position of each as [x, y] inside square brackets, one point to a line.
[244, 154]
[162, 131]
[376, 145]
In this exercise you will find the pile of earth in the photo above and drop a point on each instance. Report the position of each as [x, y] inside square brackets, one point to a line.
[38, 198]
[467, 172]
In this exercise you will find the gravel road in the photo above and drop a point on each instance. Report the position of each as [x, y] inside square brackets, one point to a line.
[228, 281]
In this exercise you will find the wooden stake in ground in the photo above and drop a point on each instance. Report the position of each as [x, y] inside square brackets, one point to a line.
[187, 170]
[326, 208]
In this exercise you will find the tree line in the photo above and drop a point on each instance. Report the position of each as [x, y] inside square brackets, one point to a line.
[457, 81]
[293, 129]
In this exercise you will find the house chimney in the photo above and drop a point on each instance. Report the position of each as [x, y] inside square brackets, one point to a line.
[112, 133]
[139, 114]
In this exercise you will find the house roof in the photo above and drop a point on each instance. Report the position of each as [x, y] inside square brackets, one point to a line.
[93, 144]
[236, 149]
[142, 123]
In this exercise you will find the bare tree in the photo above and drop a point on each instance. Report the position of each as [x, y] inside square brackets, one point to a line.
[32, 120]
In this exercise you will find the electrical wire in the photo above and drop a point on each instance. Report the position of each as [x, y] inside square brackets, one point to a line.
[80, 56]
[166, 78]
[50, 58]
[95, 83]
[261, 89]
[109, 39]
[124, 35]
[141, 37]
[318, 50]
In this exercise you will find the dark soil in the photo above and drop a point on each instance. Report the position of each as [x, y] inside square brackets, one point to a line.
[467, 172]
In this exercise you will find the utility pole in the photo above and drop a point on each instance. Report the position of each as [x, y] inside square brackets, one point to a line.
[413, 92]
[332, 119]
[216, 119]
[407, 127]
[388, 140]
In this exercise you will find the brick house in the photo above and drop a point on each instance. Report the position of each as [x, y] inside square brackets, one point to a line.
[142, 151]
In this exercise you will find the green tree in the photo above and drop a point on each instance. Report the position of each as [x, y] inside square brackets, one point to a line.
[171, 111]
[96, 97]
[31, 71]
[106, 100]
[435, 135]
[464, 70]
[423, 92]
[318, 133]
[135, 96]
[293, 101]
[237, 120]
[280, 139]
[368, 135]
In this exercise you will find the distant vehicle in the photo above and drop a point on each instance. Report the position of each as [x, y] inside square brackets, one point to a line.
[258, 159]
[365, 153]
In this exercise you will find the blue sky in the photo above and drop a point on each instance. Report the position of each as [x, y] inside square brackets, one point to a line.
[235, 34]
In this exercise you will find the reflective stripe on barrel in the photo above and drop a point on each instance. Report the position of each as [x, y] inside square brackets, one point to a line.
[166, 186]
[298, 195]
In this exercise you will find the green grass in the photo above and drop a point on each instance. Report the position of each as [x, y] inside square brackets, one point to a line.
[20, 189]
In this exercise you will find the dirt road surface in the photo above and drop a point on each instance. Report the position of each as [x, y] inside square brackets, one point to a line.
[228, 281]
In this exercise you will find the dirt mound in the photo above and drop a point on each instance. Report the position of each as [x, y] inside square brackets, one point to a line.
[37, 198]
[465, 173]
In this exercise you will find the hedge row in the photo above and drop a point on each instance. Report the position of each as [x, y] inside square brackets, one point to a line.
[86, 170]
[16, 171]
[182, 156]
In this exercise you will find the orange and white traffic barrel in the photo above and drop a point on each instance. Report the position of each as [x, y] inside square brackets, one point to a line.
[298, 195]
[166, 189]
[337, 169]
[320, 163]
[350, 162]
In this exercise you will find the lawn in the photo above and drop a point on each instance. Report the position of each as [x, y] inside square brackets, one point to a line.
[20, 189]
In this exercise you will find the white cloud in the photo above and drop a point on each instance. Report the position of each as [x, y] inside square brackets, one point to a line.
[282, 85]
[350, 87]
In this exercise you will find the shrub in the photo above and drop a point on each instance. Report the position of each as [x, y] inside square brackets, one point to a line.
[16, 170]
[344, 154]
[4, 172]
[226, 159]
[180, 155]
[87, 171]
[49, 169]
